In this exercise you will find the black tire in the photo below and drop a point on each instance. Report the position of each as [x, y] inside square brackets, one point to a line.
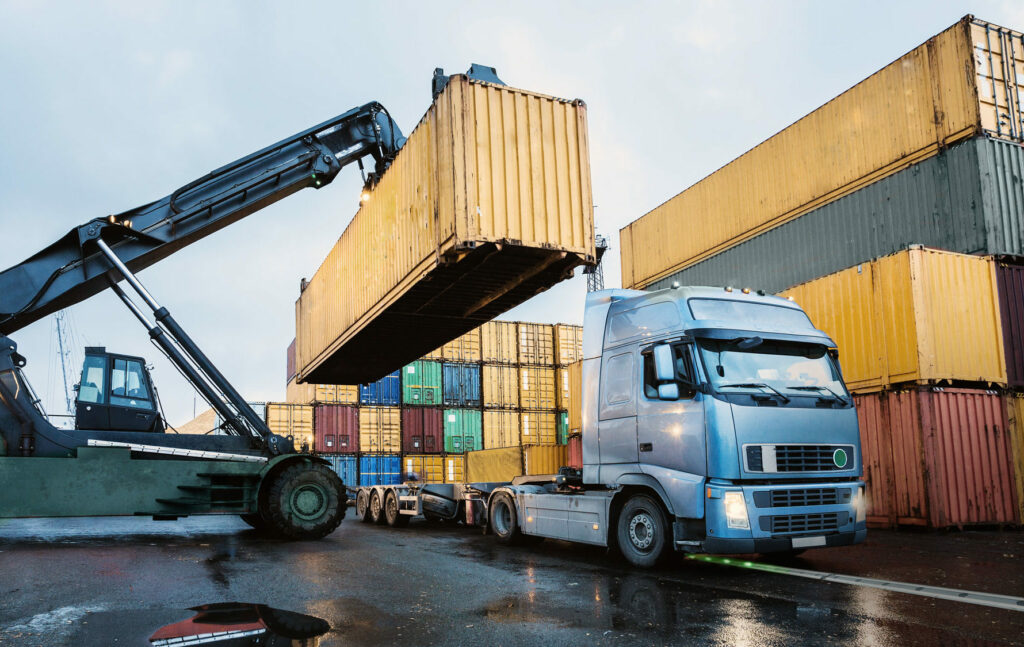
[504, 519]
[363, 506]
[376, 508]
[431, 518]
[305, 501]
[255, 520]
[394, 518]
[642, 531]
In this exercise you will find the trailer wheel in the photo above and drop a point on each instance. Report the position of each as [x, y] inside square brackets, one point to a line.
[376, 508]
[504, 519]
[395, 518]
[641, 531]
[363, 506]
[306, 501]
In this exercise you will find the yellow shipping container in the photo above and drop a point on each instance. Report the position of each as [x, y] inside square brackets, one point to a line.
[500, 386]
[537, 387]
[499, 342]
[921, 315]
[536, 344]
[494, 465]
[455, 469]
[427, 468]
[539, 427]
[544, 459]
[493, 182]
[465, 348]
[568, 344]
[1015, 413]
[501, 429]
[942, 92]
[575, 403]
[294, 420]
[380, 429]
[321, 393]
[562, 393]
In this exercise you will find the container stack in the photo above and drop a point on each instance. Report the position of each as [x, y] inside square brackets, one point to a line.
[501, 389]
[893, 215]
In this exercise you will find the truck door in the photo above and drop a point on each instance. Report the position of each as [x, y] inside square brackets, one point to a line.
[670, 433]
[91, 404]
[131, 401]
[617, 408]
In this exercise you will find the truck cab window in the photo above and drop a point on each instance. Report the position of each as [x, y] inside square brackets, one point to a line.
[684, 371]
[92, 388]
[128, 385]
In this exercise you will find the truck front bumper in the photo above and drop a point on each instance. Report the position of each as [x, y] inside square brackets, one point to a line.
[739, 545]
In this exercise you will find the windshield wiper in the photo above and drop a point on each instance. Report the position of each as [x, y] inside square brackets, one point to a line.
[819, 389]
[756, 385]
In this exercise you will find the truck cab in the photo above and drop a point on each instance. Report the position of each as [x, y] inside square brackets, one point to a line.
[728, 409]
[115, 394]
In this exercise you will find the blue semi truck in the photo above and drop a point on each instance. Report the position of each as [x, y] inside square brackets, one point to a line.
[714, 420]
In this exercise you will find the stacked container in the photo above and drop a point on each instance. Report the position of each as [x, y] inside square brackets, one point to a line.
[845, 211]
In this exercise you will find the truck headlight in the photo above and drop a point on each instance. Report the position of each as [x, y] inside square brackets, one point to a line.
[736, 511]
[861, 505]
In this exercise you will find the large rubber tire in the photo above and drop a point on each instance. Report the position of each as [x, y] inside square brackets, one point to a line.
[376, 508]
[363, 506]
[305, 501]
[394, 518]
[642, 532]
[255, 520]
[504, 519]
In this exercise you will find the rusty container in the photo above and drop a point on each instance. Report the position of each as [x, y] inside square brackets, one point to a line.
[422, 430]
[1015, 413]
[336, 429]
[1010, 282]
[575, 452]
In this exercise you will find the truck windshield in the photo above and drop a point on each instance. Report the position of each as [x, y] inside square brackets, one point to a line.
[784, 367]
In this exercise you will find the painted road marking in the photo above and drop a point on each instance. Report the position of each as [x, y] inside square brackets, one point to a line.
[957, 595]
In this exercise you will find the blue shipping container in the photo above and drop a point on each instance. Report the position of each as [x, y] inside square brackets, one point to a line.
[347, 467]
[380, 469]
[387, 391]
[462, 385]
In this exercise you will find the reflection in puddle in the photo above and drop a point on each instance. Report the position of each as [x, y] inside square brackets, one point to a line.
[234, 624]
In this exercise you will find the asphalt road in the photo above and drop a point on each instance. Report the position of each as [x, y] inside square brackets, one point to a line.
[116, 581]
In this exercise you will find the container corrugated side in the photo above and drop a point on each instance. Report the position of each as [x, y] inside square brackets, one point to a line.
[454, 469]
[562, 420]
[292, 420]
[575, 403]
[539, 428]
[500, 386]
[563, 393]
[463, 430]
[465, 348]
[1010, 280]
[423, 468]
[921, 315]
[487, 203]
[380, 429]
[380, 469]
[544, 459]
[421, 384]
[568, 344]
[1015, 416]
[494, 465]
[461, 385]
[944, 89]
[346, 466]
[876, 452]
[386, 391]
[537, 388]
[321, 393]
[499, 342]
[290, 362]
[966, 199]
[422, 430]
[501, 429]
[536, 344]
[336, 429]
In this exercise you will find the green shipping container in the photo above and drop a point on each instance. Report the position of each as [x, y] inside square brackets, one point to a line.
[563, 427]
[463, 431]
[421, 383]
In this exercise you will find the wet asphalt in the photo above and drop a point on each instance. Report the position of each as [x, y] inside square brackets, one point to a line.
[115, 581]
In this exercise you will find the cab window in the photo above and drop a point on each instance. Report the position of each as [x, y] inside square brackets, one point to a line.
[683, 366]
[92, 388]
[128, 384]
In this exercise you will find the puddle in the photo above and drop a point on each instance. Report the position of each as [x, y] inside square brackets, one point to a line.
[239, 623]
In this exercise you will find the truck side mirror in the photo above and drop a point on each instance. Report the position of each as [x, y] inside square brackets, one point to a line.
[664, 364]
[668, 391]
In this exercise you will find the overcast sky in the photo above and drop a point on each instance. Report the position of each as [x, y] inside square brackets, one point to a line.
[109, 105]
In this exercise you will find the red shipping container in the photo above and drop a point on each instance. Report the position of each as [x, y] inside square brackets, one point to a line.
[336, 429]
[576, 451]
[937, 457]
[422, 430]
[1010, 282]
[290, 362]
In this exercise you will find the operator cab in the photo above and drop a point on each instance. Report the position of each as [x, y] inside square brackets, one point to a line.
[115, 394]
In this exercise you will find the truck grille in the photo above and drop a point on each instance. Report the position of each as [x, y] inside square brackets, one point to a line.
[800, 523]
[809, 458]
[798, 498]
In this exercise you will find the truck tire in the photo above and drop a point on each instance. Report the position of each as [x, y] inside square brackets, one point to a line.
[641, 531]
[306, 501]
[394, 518]
[504, 519]
[376, 508]
[363, 506]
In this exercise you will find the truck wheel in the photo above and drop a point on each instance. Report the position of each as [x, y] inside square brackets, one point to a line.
[363, 506]
[306, 501]
[395, 518]
[641, 531]
[376, 508]
[504, 519]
